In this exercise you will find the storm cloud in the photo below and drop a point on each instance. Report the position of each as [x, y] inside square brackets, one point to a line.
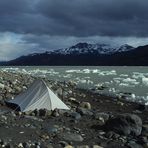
[75, 18]
[39, 25]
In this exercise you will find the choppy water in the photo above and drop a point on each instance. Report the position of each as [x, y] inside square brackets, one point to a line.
[117, 80]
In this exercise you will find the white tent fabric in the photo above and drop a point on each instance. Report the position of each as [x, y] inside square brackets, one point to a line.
[38, 96]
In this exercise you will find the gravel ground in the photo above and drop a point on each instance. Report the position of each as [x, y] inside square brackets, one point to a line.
[94, 121]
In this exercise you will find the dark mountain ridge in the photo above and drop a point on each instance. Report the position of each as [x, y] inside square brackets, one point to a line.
[87, 54]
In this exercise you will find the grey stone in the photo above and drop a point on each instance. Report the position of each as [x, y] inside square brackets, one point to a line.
[76, 115]
[2, 86]
[33, 118]
[52, 129]
[42, 112]
[55, 113]
[8, 146]
[73, 100]
[126, 124]
[63, 143]
[48, 146]
[143, 140]
[86, 105]
[143, 107]
[145, 129]
[103, 115]
[26, 145]
[83, 146]
[84, 111]
[97, 146]
[71, 137]
[133, 144]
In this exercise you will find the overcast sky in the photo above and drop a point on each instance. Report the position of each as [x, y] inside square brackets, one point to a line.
[28, 26]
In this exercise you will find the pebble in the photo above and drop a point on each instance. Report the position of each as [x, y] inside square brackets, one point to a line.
[20, 145]
[63, 143]
[103, 115]
[2, 86]
[83, 146]
[145, 145]
[84, 111]
[55, 113]
[71, 137]
[97, 146]
[73, 100]
[120, 103]
[132, 144]
[86, 105]
[52, 129]
[26, 144]
[68, 146]
[76, 115]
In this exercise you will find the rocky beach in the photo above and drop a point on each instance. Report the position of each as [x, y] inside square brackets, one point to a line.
[93, 121]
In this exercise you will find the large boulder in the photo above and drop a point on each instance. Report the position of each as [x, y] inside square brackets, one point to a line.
[125, 124]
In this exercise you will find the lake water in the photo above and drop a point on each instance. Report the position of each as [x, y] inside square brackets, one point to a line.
[132, 82]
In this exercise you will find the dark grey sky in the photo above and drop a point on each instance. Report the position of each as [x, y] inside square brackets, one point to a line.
[28, 26]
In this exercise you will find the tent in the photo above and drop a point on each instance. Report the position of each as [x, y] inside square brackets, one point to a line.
[38, 96]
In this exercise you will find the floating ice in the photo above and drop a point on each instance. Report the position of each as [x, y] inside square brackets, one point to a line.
[107, 83]
[72, 71]
[133, 96]
[107, 73]
[10, 69]
[101, 74]
[126, 85]
[129, 80]
[112, 90]
[95, 71]
[67, 76]
[138, 75]
[145, 81]
[86, 70]
[117, 80]
[87, 77]
[83, 81]
[123, 75]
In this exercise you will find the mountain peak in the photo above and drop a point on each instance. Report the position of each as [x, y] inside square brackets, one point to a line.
[80, 45]
[87, 48]
[125, 47]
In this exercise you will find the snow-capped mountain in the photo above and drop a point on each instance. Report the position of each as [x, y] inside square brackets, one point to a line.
[87, 54]
[84, 48]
